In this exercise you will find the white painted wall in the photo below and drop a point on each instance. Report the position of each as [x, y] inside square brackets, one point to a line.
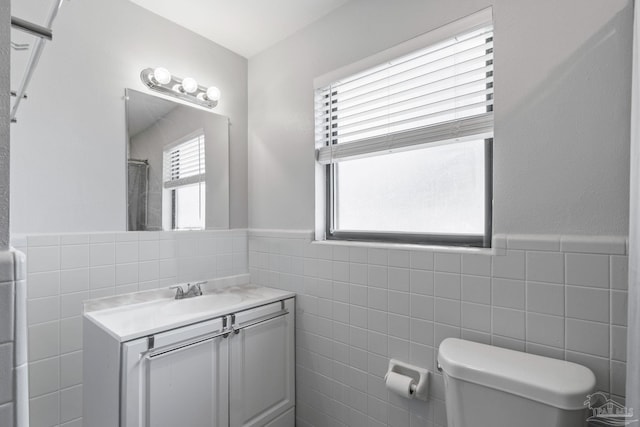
[563, 78]
[68, 159]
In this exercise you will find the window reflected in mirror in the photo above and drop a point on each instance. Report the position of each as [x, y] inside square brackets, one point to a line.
[177, 161]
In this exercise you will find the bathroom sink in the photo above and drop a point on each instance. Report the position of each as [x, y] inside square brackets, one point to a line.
[131, 316]
[202, 303]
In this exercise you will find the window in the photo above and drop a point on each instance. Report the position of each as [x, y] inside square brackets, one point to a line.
[184, 183]
[405, 146]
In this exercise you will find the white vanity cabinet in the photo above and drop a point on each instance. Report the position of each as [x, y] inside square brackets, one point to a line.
[235, 369]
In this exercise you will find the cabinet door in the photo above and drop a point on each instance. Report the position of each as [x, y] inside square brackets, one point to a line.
[179, 378]
[262, 366]
[188, 386]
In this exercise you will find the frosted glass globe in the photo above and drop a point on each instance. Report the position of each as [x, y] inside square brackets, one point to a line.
[189, 85]
[162, 75]
[213, 93]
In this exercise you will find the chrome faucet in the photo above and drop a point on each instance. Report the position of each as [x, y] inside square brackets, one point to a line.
[193, 290]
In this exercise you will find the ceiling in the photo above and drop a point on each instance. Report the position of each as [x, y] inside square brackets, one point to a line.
[246, 27]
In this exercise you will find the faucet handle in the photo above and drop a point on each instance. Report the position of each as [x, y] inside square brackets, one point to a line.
[179, 291]
[196, 287]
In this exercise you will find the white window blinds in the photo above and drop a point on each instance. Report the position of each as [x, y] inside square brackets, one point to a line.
[440, 94]
[184, 163]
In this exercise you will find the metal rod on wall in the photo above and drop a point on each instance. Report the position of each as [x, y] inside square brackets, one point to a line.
[31, 28]
[34, 58]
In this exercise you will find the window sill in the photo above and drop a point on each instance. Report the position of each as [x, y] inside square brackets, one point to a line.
[498, 249]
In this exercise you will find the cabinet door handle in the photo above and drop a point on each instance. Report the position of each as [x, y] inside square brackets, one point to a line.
[165, 351]
[260, 319]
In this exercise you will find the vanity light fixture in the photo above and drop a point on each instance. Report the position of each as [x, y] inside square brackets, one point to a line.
[187, 89]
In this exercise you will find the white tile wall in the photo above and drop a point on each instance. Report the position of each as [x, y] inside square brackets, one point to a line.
[64, 270]
[358, 306]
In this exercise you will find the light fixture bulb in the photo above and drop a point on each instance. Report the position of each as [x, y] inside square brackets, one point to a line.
[162, 75]
[189, 85]
[213, 94]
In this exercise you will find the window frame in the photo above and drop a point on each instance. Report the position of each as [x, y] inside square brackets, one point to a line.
[326, 174]
[170, 208]
[470, 240]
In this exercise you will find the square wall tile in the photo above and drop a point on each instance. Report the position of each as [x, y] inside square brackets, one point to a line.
[102, 277]
[378, 276]
[421, 332]
[6, 373]
[509, 266]
[422, 260]
[545, 267]
[6, 414]
[509, 323]
[126, 252]
[399, 279]
[44, 411]
[378, 299]
[618, 378]
[70, 403]
[587, 270]
[587, 303]
[378, 256]
[71, 369]
[70, 334]
[476, 289]
[508, 293]
[44, 377]
[43, 258]
[73, 280]
[42, 310]
[447, 285]
[102, 254]
[619, 301]
[619, 266]
[546, 330]
[545, 298]
[398, 302]
[447, 311]
[7, 312]
[398, 258]
[476, 317]
[447, 262]
[71, 304]
[587, 337]
[421, 282]
[43, 341]
[422, 307]
[476, 265]
[74, 256]
[619, 343]
[43, 284]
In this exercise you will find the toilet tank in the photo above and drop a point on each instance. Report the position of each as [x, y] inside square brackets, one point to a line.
[487, 386]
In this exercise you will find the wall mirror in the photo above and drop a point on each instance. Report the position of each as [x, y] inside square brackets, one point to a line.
[177, 165]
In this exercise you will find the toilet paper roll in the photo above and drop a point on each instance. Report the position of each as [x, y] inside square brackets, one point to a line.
[400, 384]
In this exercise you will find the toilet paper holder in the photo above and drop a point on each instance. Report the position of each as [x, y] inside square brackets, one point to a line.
[419, 375]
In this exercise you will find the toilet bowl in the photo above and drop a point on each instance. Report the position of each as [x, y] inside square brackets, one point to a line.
[487, 386]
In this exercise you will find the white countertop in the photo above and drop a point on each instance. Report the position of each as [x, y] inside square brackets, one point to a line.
[137, 315]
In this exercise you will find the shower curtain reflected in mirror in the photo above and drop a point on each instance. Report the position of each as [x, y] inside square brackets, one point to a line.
[138, 194]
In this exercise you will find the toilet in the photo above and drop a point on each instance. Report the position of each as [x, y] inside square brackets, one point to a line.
[487, 386]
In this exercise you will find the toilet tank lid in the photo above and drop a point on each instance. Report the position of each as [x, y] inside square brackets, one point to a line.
[558, 383]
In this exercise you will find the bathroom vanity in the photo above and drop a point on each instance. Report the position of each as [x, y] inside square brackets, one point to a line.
[225, 358]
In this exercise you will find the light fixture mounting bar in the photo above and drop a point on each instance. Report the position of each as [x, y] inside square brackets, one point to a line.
[173, 87]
